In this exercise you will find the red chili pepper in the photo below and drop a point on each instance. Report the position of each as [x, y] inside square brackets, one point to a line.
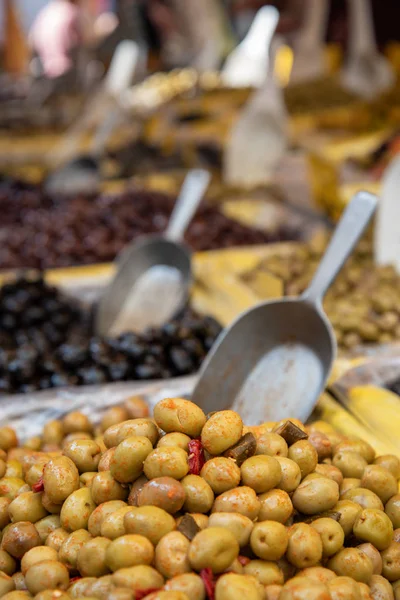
[38, 486]
[75, 579]
[243, 560]
[196, 457]
[139, 594]
[209, 582]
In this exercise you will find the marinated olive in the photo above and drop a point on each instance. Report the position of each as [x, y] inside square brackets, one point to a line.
[214, 547]
[222, 474]
[179, 415]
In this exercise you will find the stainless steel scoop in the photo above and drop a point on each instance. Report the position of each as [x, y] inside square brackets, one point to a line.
[141, 256]
[274, 360]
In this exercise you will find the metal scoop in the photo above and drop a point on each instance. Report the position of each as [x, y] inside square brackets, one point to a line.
[120, 308]
[274, 360]
[308, 47]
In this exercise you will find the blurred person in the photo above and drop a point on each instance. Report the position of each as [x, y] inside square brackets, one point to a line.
[56, 35]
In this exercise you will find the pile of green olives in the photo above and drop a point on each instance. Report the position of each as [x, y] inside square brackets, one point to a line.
[189, 506]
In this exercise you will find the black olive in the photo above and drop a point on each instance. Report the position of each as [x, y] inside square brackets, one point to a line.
[180, 360]
[91, 375]
[72, 355]
[147, 372]
[59, 379]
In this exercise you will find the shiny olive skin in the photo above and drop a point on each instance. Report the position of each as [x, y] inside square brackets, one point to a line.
[7, 563]
[391, 562]
[141, 577]
[316, 495]
[27, 507]
[374, 556]
[359, 447]
[129, 551]
[179, 415]
[46, 525]
[351, 562]
[262, 473]
[19, 538]
[137, 407]
[113, 416]
[222, 474]
[56, 538]
[390, 462]
[8, 438]
[392, 509]
[171, 555]
[222, 430]
[164, 492]
[343, 587]
[49, 574]
[126, 463]
[238, 524]
[266, 572]
[68, 553]
[350, 463]
[291, 474]
[92, 557]
[317, 574]
[199, 496]
[4, 516]
[348, 512]
[85, 454]
[241, 499]
[115, 434]
[348, 483]
[105, 488]
[271, 444]
[364, 497]
[100, 513]
[150, 521]
[53, 432]
[269, 540]
[276, 505]
[105, 460]
[60, 479]
[167, 461]
[304, 546]
[76, 510]
[331, 533]
[374, 526]
[6, 584]
[214, 547]
[330, 472]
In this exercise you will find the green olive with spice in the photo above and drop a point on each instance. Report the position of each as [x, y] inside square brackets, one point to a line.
[261, 473]
[214, 547]
[222, 430]
[179, 415]
[199, 496]
[221, 473]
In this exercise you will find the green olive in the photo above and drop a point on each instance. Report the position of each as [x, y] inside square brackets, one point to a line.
[222, 474]
[348, 512]
[374, 556]
[14, 469]
[86, 478]
[317, 574]
[269, 540]
[391, 562]
[76, 510]
[305, 455]
[231, 586]
[167, 461]
[79, 588]
[171, 556]
[322, 444]
[271, 444]
[351, 562]
[390, 462]
[139, 578]
[92, 557]
[350, 463]
[181, 440]
[190, 584]
[315, 495]
[27, 507]
[51, 507]
[36, 555]
[349, 483]
[137, 407]
[60, 479]
[262, 473]
[105, 488]
[105, 460]
[10, 487]
[276, 505]
[379, 587]
[199, 496]
[6, 584]
[359, 447]
[241, 499]
[222, 430]
[150, 521]
[68, 553]
[129, 551]
[380, 481]
[101, 587]
[179, 415]
[304, 546]
[214, 547]
[164, 492]
[330, 472]
[126, 464]
[374, 526]
[8, 438]
[7, 563]
[52, 595]
[100, 513]
[291, 474]
[56, 538]
[113, 525]
[46, 525]
[85, 454]
[113, 416]
[238, 524]
[49, 574]
[364, 497]
[76, 421]
[266, 572]
[331, 533]
[392, 509]
[53, 433]
[19, 538]
[115, 434]
[342, 588]
[4, 516]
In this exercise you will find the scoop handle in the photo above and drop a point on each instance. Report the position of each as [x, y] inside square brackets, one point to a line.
[362, 34]
[349, 230]
[191, 194]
